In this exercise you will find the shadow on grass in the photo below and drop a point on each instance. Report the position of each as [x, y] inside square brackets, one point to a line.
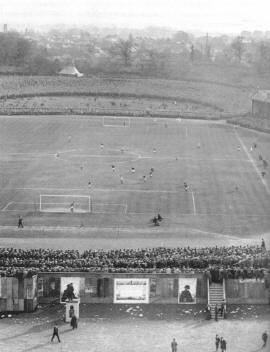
[36, 329]
[38, 346]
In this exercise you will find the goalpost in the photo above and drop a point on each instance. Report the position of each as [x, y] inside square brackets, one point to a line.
[116, 121]
[55, 203]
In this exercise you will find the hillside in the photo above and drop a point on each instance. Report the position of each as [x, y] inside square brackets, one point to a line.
[221, 98]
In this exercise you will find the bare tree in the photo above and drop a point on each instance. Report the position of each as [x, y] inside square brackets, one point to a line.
[123, 48]
[238, 48]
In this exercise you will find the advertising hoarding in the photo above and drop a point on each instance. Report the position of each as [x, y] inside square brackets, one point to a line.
[131, 291]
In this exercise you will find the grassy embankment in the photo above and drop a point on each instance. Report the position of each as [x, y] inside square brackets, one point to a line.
[205, 93]
[201, 97]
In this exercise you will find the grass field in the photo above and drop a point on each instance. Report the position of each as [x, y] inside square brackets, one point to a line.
[212, 208]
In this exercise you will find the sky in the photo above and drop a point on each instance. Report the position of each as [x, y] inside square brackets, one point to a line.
[219, 16]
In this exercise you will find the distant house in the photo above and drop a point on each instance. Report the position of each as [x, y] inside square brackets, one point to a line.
[261, 104]
[70, 71]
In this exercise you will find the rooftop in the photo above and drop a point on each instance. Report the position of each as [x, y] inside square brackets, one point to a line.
[262, 95]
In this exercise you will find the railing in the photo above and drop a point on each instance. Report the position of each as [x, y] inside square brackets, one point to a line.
[224, 298]
[208, 291]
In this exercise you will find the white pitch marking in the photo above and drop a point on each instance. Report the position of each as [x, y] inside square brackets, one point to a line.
[34, 154]
[252, 161]
[67, 151]
[111, 212]
[128, 155]
[194, 205]
[126, 208]
[186, 132]
[6, 207]
[96, 189]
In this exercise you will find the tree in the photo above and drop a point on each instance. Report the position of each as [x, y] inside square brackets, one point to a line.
[263, 57]
[238, 48]
[123, 48]
[181, 37]
[14, 49]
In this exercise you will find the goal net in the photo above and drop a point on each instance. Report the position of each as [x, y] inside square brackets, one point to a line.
[64, 203]
[116, 121]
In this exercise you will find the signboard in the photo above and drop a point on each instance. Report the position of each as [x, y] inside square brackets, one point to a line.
[187, 290]
[69, 289]
[131, 291]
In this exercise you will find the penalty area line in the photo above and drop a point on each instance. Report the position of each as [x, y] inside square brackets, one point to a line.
[6, 206]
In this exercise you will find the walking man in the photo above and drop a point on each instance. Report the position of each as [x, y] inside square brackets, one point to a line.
[216, 312]
[55, 333]
[264, 338]
[174, 345]
[223, 345]
[20, 222]
[217, 342]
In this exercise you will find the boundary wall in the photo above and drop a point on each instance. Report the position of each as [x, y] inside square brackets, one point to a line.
[99, 287]
[18, 294]
[24, 294]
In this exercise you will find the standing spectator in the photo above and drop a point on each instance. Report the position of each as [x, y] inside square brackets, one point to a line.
[217, 342]
[216, 312]
[263, 245]
[73, 322]
[174, 345]
[55, 333]
[222, 308]
[208, 312]
[71, 311]
[264, 338]
[223, 345]
[20, 222]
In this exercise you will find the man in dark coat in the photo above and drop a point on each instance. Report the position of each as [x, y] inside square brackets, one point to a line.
[216, 312]
[223, 345]
[174, 345]
[185, 295]
[20, 222]
[217, 342]
[222, 308]
[73, 322]
[55, 333]
[208, 312]
[264, 338]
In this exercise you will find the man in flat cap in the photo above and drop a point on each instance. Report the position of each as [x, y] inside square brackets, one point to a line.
[185, 296]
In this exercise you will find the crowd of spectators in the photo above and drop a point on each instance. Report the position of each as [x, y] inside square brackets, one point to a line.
[217, 262]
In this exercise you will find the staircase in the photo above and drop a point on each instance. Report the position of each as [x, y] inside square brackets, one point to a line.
[216, 293]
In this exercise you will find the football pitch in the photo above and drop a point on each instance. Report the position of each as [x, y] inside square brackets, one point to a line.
[102, 165]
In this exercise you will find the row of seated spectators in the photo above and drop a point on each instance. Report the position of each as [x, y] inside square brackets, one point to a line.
[217, 262]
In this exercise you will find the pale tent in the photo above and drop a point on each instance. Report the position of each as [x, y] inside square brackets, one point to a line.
[70, 71]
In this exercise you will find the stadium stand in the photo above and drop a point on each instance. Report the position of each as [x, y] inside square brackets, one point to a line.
[216, 262]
